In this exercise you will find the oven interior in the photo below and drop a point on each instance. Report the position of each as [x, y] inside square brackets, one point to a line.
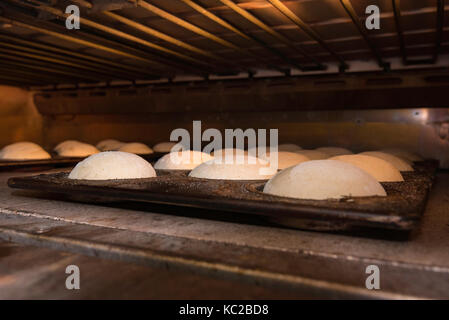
[136, 70]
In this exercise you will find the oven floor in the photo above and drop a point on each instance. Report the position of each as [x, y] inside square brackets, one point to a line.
[161, 255]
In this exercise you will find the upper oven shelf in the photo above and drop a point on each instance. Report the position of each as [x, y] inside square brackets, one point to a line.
[159, 40]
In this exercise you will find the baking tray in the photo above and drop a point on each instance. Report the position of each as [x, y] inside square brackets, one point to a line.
[34, 165]
[54, 162]
[400, 210]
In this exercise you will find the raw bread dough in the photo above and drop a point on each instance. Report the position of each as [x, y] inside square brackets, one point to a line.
[24, 151]
[182, 160]
[136, 148]
[397, 162]
[164, 146]
[380, 169]
[112, 165]
[323, 179]
[109, 145]
[287, 159]
[73, 148]
[404, 154]
[313, 154]
[230, 168]
[226, 151]
[334, 151]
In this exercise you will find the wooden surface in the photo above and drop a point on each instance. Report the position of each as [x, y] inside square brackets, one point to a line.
[287, 262]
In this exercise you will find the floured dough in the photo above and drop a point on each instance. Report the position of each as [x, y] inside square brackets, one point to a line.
[73, 148]
[231, 168]
[380, 169]
[182, 160]
[404, 154]
[323, 179]
[227, 152]
[24, 151]
[313, 154]
[136, 148]
[334, 151]
[287, 159]
[397, 162]
[164, 146]
[112, 165]
[109, 145]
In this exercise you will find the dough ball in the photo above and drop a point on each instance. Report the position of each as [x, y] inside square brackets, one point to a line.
[380, 169]
[164, 146]
[242, 167]
[228, 151]
[323, 179]
[404, 154]
[109, 145]
[23, 151]
[112, 165]
[397, 162]
[334, 151]
[313, 154]
[290, 147]
[73, 148]
[287, 159]
[136, 148]
[182, 160]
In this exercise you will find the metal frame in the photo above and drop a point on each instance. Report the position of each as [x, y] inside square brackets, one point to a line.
[164, 55]
[347, 5]
[308, 30]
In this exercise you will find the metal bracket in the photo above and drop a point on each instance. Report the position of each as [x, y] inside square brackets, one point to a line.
[110, 5]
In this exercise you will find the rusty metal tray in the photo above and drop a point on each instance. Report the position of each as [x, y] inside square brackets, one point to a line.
[54, 162]
[34, 165]
[400, 210]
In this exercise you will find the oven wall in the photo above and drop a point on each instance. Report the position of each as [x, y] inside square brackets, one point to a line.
[422, 130]
[19, 117]
[419, 130]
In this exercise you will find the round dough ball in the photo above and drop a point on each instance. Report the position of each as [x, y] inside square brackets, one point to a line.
[182, 160]
[112, 165]
[404, 154]
[287, 159]
[24, 151]
[334, 151]
[73, 148]
[254, 152]
[380, 169]
[228, 151]
[290, 147]
[323, 179]
[136, 148]
[397, 162]
[233, 168]
[164, 146]
[313, 154]
[109, 145]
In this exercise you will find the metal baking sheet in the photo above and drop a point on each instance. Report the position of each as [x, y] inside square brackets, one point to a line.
[54, 162]
[32, 165]
[400, 210]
